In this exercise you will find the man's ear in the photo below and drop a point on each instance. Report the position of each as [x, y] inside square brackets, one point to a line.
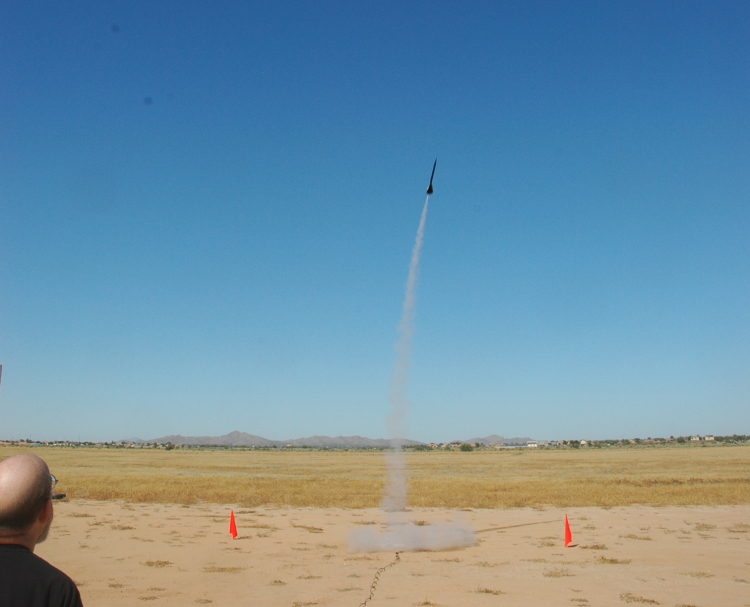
[46, 512]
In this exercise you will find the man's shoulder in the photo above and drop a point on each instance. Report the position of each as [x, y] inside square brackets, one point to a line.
[23, 557]
[23, 573]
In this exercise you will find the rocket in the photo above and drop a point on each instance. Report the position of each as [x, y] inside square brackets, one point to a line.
[429, 187]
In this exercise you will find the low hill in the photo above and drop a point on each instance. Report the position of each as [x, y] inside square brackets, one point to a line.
[243, 439]
[494, 439]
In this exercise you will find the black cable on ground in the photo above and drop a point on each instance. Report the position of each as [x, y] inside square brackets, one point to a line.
[374, 584]
[514, 526]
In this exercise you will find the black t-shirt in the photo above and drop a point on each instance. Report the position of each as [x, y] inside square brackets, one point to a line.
[29, 581]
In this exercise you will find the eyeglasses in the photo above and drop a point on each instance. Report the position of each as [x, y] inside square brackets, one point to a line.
[53, 480]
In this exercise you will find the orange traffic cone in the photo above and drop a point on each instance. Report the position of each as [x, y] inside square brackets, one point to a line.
[232, 525]
[568, 534]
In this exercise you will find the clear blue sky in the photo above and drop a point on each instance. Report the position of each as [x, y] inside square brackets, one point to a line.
[206, 217]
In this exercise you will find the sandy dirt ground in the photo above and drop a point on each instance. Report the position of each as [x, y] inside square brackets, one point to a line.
[131, 554]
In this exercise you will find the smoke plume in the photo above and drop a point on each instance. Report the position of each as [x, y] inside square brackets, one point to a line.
[401, 535]
[394, 499]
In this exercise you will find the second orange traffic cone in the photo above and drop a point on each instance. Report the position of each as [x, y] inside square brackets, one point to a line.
[568, 534]
[232, 525]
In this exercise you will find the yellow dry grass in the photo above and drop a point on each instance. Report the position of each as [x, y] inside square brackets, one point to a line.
[480, 479]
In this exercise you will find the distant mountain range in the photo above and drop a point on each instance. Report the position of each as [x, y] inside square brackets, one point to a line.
[243, 439]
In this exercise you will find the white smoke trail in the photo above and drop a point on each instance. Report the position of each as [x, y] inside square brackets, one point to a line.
[401, 535]
[394, 499]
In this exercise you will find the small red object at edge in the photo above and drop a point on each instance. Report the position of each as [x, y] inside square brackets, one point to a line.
[232, 525]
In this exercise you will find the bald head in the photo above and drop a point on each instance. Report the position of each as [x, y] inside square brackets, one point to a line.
[24, 492]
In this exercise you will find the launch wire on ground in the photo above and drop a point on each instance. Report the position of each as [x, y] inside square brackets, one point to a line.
[375, 580]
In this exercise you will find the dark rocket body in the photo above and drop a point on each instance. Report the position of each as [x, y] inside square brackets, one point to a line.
[429, 187]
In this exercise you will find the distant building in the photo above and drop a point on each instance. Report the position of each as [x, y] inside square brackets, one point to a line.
[532, 444]
[709, 438]
[695, 439]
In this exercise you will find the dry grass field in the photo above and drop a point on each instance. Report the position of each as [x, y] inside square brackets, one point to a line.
[480, 479]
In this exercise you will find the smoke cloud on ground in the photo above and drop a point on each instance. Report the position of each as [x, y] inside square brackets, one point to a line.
[409, 537]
